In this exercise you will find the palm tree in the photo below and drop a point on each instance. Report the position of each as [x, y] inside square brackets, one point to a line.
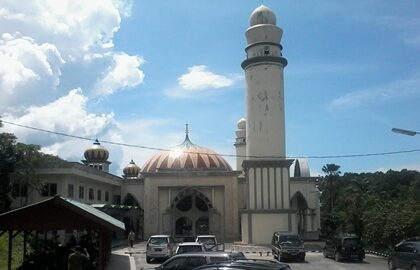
[331, 171]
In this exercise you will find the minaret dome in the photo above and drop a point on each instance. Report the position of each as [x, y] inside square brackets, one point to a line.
[262, 15]
[96, 153]
[241, 123]
[131, 170]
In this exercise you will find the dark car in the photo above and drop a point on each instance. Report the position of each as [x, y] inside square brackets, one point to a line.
[193, 260]
[287, 246]
[246, 265]
[406, 255]
[344, 248]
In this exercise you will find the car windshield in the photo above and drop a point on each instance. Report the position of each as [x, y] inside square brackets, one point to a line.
[351, 242]
[207, 240]
[158, 241]
[185, 249]
[290, 239]
[237, 256]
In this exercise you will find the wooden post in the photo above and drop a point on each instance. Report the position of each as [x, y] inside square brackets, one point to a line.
[36, 242]
[25, 235]
[101, 250]
[9, 257]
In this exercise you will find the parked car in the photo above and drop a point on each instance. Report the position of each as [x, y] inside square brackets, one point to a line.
[406, 255]
[160, 247]
[246, 265]
[189, 247]
[209, 242]
[189, 261]
[344, 247]
[287, 246]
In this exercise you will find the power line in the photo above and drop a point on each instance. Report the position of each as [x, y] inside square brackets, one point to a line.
[224, 155]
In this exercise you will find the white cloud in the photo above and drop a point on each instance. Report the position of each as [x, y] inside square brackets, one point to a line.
[46, 41]
[123, 73]
[406, 27]
[51, 46]
[74, 26]
[412, 39]
[28, 71]
[200, 78]
[398, 89]
[148, 132]
[67, 114]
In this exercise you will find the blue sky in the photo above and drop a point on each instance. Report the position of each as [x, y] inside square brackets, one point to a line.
[136, 72]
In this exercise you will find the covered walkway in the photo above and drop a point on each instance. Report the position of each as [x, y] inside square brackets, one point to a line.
[59, 213]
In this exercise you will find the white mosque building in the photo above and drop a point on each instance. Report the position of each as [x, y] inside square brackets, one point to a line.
[191, 190]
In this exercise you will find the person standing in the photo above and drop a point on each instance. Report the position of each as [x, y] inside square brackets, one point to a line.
[131, 238]
[78, 258]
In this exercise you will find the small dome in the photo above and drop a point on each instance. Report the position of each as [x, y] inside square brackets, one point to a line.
[96, 153]
[131, 170]
[262, 15]
[186, 156]
[241, 123]
[300, 168]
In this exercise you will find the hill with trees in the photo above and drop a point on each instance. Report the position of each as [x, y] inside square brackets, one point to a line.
[382, 208]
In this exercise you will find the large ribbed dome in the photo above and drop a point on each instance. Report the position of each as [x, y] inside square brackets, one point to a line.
[96, 153]
[186, 156]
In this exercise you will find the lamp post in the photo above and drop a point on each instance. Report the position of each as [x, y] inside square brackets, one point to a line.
[404, 131]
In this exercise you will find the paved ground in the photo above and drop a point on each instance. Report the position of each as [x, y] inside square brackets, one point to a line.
[122, 258]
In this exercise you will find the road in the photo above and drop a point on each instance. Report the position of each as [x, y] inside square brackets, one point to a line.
[314, 261]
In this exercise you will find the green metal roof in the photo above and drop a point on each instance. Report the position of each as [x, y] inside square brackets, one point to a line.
[96, 212]
[26, 217]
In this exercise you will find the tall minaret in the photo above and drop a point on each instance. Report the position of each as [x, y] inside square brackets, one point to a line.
[266, 169]
[265, 87]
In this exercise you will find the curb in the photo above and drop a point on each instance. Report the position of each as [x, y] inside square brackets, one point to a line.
[377, 253]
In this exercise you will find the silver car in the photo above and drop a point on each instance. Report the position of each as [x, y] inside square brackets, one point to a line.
[209, 242]
[160, 247]
[189, 247]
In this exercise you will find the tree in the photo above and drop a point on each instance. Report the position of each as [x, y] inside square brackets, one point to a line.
[382, 208]
[18, 163]
[332, 171]
[8, 159]
[327, 186]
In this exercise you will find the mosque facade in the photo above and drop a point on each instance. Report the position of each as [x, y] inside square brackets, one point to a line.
[191, 190]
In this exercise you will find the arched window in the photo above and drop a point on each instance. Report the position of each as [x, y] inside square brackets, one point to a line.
[183, 226]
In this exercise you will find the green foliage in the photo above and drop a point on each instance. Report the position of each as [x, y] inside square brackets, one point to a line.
[382, 208]
[17, 250]
[18, 162]
[8, 159]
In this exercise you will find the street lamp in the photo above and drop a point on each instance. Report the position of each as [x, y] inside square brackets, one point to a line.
[404, 131]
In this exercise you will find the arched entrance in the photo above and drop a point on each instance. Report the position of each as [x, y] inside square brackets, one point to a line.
[299, 203]
[191, 213]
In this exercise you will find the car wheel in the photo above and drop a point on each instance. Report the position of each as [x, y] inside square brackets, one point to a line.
[337, 256]
[302, 258]
[148, 259]
[324, 252]
[391, 265]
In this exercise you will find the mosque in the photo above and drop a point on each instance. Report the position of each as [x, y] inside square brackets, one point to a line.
[191, 190]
